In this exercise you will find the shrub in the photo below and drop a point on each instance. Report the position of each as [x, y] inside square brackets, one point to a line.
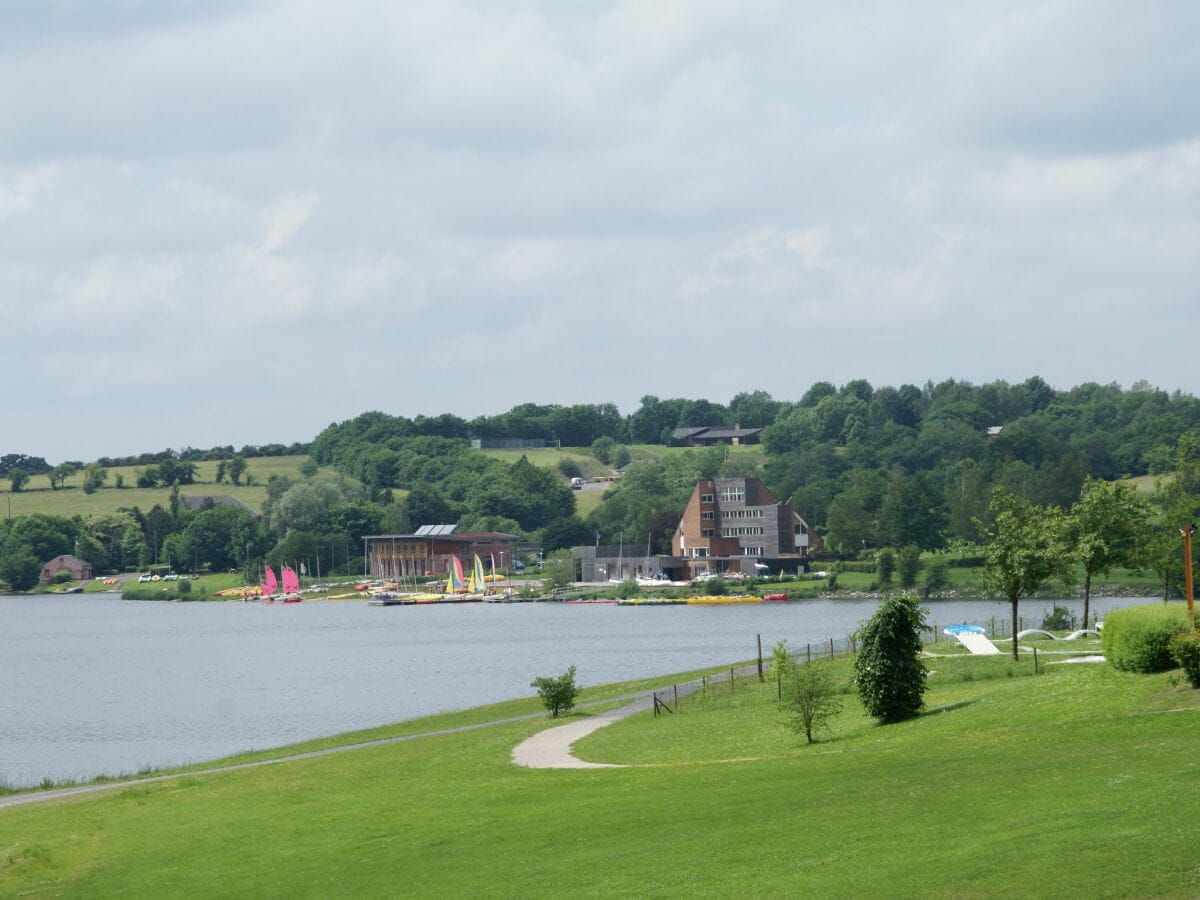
[184, 588]
[558, 694]
[888, 668]
[1185, 650]
[61, 577]
[568, 468]
[1137, 638]
[781, 661]
[831, 581]
[1059, 619]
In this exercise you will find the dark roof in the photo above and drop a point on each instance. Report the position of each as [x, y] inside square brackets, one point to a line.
[713, 431]
[680, 434]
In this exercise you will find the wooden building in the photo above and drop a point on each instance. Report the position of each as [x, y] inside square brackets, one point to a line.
[429, 551]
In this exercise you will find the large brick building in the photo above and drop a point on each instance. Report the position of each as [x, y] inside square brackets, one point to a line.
[730, 525]
[737, 525]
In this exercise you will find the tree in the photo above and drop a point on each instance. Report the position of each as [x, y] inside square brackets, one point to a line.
[220, 475]
[909, 565]
[235, 467]
[810, 698]
[937, 576]
[93, 478]
[1027, 547]
[18, 478]
[19, 567]
[60, 473]
[558, 694]
[309, 468]
[1103, 526]
[888, 668]
[885, 566]
[559, 569]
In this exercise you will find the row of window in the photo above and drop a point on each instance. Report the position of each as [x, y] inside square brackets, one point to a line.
[733, 494]
[752, 513]
[742, 530]
[752, 551]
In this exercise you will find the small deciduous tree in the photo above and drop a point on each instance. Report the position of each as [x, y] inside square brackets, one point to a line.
[235, 467]
[810, 698]
[888, 670]
[18, 478]
[558, 694]
[1027, 548]
[1103, 526]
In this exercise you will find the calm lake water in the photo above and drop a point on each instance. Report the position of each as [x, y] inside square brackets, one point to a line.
[98, 685]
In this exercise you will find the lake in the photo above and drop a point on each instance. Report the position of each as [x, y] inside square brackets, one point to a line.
[94, 685]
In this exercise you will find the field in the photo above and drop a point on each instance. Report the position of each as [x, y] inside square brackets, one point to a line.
[37, 497]
[1077, 781]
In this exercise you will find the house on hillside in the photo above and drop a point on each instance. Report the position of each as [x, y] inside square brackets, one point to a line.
[80, 570]
[711, 435]
[431, 549]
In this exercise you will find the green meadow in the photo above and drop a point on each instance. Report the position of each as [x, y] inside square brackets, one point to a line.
[1077, 781]
[70, 500]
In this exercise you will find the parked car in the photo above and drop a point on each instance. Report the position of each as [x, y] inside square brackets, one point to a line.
[518, 566]
[171, 577]
[577, 484]
[144, 577]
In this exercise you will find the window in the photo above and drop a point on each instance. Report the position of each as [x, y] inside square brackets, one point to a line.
[735, 494]
[706, 498]
[706, 533]
[752, 551]
[707, 514]
[699, 552]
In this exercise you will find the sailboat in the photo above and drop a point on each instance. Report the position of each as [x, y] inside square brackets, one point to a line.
[454, 578]
[477, 583]
[291, 585]
[268, 585]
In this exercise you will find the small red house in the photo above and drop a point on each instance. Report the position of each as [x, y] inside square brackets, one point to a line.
[79, 569]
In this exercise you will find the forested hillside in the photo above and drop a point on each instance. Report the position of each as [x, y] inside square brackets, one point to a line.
[867, 466]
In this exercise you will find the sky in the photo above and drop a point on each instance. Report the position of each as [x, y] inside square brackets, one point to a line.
[237, 222]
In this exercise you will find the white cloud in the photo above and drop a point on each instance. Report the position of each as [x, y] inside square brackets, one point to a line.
[221, 204]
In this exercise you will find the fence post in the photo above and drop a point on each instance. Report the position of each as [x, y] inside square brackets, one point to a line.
[808, 651]
[731, 684]
[675, 687]
[760, 669]
[779, 687]
[1035, 671]
[831, 648]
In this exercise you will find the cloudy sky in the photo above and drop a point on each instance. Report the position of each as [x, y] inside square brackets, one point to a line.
[236, 222]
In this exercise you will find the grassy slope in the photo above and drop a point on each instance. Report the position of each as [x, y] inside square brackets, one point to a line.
[1075, 782]
[71, 500]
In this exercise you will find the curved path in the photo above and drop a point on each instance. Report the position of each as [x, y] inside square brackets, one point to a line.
[551, 749]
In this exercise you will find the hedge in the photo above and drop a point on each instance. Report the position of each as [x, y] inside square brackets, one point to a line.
[1137, 638]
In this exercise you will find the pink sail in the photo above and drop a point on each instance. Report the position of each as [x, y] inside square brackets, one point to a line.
[291, 584]
[270, 584]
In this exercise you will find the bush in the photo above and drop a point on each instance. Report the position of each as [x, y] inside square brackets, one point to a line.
[888, 668]
[568, 468]
[1185, 650]
[62, 576]
[1060, 619]
[908, 566]
[558, 694]
[1137, 638]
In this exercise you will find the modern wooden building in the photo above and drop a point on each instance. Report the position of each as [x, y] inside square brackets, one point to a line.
[429, 551]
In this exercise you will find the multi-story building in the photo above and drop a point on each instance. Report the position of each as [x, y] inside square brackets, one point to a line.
[737, 525]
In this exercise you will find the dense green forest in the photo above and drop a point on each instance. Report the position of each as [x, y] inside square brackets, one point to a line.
[867, 466]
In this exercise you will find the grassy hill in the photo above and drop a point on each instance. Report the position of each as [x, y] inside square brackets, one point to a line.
[70, 500]
[1079, 781]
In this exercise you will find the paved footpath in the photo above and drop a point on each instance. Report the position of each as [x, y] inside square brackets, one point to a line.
[551, 749]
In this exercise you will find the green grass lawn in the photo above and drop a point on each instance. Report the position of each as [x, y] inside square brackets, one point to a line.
[37, 497]
[1080, 782]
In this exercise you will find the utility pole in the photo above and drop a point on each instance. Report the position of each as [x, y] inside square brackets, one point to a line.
[1186, 531]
